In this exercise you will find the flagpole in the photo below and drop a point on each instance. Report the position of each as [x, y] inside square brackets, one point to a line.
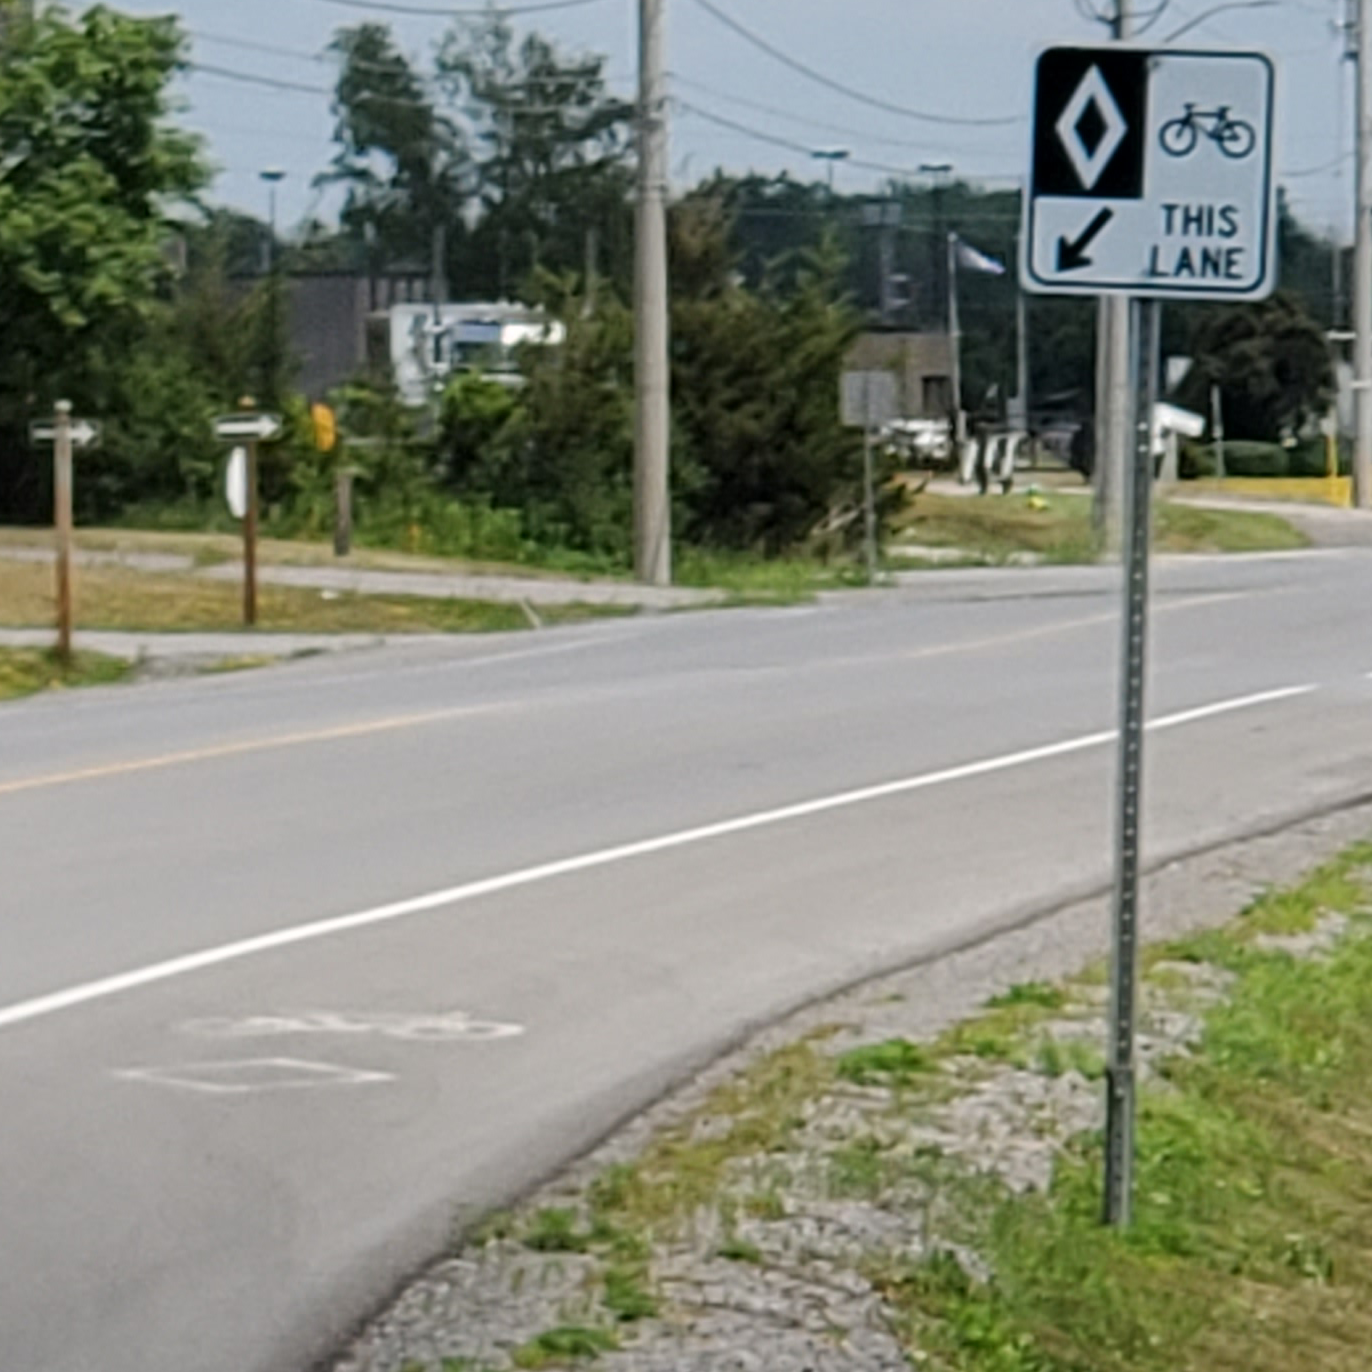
[955, 342]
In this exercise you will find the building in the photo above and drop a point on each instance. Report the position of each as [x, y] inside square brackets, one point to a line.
[922, 364]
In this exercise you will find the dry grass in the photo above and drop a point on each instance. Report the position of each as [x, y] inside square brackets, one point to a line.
[116, 598]
[1058, 527]
[209, 549]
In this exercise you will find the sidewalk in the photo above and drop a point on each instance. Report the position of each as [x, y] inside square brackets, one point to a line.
[192, 649]
[510, 590]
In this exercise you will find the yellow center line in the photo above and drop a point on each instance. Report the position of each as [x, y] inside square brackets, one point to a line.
[163, 761]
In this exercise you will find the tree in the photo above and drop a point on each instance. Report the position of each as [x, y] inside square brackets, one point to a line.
[1271, 362]
[90, 168]
[553, 162]
[404, 162]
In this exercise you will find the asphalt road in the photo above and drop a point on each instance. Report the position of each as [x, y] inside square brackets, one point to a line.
[245, 919]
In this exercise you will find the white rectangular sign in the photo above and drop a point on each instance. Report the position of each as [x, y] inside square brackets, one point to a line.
[869, 400]
[1152, 175]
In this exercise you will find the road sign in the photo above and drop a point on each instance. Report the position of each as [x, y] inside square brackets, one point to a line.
[1152, 175]
[236, 483]
[869, 399]
[84, 433]
[260, 427]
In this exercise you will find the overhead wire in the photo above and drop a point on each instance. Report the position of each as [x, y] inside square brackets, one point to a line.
[792, 145]
[452, 12]
[814, 74]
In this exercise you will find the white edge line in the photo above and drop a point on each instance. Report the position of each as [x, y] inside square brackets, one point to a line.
[103, 989]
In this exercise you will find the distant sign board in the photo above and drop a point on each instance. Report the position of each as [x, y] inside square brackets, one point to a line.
[84, 433]
[1152, 175]
[236, 483]
[261, 428]
[870, 400]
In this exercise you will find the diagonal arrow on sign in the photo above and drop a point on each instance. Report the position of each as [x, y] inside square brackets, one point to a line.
[1072, 251]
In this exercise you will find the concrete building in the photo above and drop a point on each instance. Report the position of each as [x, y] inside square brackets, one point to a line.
[922, 364]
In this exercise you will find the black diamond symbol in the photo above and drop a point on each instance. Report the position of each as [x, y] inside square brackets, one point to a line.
[1092, 128]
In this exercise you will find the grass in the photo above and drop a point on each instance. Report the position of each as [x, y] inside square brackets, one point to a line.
[1058, 528]
[749, 579]
[1251, 1249]
[116, 598]
[895, 1062]
[25, 671]
[567, 1343]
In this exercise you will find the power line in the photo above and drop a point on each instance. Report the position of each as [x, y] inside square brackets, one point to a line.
[846, 130]
[448, 12]
[862, 97]
[790, 144]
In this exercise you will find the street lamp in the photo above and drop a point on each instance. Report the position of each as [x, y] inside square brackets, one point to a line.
[272, 177]
[832, 156]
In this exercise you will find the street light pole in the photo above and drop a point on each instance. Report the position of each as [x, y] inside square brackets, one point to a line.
[652, 371]
[833, 156]
[272, 177]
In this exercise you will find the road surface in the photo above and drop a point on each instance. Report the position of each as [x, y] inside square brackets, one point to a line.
[305, 967]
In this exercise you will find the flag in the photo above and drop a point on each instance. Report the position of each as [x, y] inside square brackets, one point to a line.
[973, 261]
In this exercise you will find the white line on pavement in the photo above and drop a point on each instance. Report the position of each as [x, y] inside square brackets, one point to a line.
[70, 999]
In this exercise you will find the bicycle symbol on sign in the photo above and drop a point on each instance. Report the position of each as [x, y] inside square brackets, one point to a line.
[1235, 138]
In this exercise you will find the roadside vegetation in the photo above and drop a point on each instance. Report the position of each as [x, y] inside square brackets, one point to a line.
[977, 1156]
[1057, 528]
[26, 671]
[118, 598]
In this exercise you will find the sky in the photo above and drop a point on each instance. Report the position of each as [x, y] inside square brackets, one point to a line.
[959, 59]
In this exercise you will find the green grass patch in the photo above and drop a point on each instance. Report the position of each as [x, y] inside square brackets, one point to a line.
[1251, 1249]
[26, 671]
[896, 1062]
[626, 1295]
[556, 1231]
[1038, 994]
[567, 1343]
[1059, 529]
[739, 1250]
[678, 1173]
[750, 579]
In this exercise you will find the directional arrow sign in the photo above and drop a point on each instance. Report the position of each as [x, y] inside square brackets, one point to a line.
[84, 433]
[1152, 175]
[1072, 252]
[233, 428]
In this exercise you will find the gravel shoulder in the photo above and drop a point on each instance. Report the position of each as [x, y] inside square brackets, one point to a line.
[746, 1222]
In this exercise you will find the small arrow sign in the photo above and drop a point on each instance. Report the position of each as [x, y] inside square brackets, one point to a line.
[261, 427]
[1072, 251]
[84, 434]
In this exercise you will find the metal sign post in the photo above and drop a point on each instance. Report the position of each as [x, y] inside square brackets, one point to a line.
[1152, 181]
[1120, 1099]
[869, 402]
[65, 434]
[62, 523]
[252, 430]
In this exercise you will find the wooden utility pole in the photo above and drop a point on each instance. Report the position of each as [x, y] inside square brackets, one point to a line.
[652, 373]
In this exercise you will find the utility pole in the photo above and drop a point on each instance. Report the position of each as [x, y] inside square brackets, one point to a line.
[652, 427]
[1113, 356]
[1362, 284]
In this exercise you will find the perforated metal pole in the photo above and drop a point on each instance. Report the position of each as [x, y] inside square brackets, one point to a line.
[1120, 1088]
[62, 524]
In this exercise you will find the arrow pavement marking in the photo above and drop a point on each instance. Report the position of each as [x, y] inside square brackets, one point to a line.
[1072, 252]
